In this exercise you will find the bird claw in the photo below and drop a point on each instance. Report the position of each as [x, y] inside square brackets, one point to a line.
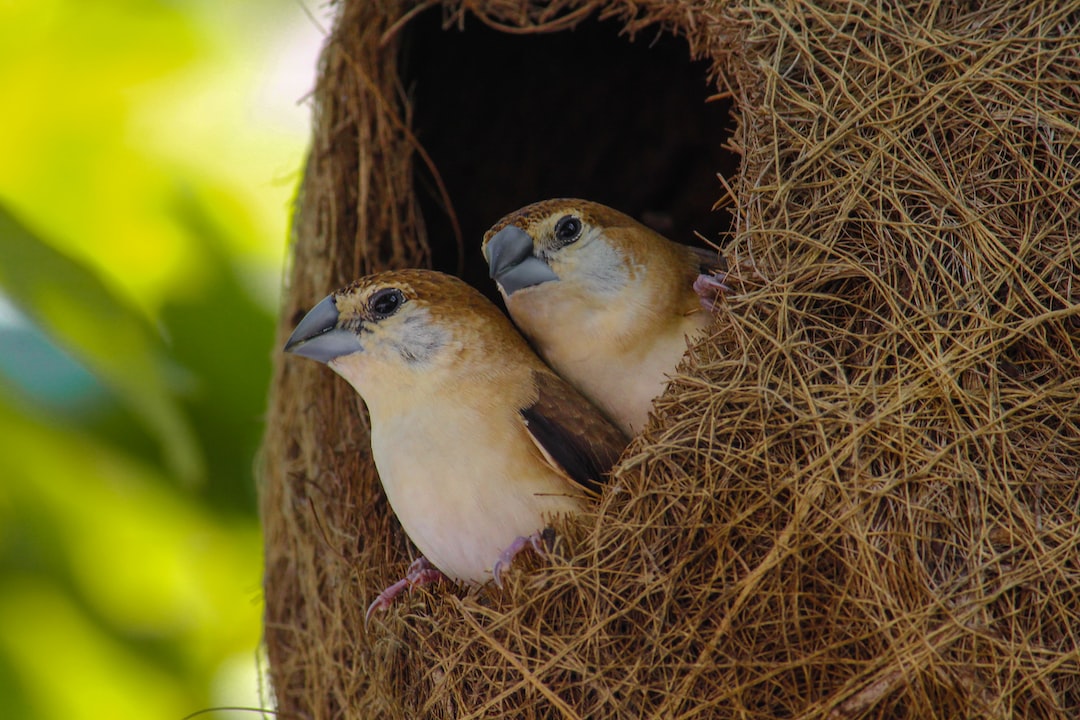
[420, 572]
[710, 287]
[536, 541]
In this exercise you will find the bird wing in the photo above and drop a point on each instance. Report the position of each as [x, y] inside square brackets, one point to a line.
[709, 261]
[572, 435]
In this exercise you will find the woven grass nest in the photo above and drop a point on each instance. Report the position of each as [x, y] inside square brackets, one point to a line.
[860, 496]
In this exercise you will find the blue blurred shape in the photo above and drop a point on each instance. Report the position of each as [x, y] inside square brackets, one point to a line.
[40, 368]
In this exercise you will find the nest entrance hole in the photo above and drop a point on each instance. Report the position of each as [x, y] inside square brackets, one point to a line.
[510, 119]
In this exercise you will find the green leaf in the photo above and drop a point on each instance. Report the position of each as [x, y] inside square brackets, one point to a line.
[81, 314]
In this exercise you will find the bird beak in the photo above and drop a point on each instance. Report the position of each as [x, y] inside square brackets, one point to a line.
[512, 263]
[318, 337]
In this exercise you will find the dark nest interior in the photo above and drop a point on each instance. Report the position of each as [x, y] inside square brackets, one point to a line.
[507, 119]
[860, 495]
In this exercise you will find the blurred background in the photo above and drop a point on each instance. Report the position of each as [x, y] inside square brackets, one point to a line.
[149, 154]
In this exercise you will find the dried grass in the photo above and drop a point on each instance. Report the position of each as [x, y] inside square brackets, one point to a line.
[861, 494]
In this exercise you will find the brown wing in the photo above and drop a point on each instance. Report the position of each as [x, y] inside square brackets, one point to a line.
[708, 260]
[571, 433]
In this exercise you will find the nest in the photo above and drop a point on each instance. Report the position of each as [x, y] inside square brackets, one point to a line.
[859, 496]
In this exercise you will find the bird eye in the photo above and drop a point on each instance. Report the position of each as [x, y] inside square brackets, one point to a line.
[385, 302]
[568, 229]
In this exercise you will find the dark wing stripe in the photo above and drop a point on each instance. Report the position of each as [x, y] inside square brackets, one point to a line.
[573, 432]
[572, 457]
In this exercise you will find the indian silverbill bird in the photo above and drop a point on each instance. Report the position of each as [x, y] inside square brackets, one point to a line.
[606, 301]
[478, 444]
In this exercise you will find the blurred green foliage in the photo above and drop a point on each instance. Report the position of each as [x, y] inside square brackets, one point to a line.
[148, 153]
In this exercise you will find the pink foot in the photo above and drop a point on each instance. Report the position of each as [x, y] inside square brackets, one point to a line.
[536, 541]
[710, 287]
[420, 572]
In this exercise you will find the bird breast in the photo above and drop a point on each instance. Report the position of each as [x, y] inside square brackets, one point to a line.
[465, 483]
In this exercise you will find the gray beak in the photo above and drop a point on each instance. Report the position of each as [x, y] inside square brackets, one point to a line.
[512, 263]
[318, 337]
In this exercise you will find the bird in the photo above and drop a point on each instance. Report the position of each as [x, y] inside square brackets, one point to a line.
[477, 443]
[605, 300]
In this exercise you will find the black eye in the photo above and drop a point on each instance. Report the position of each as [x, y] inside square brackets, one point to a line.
[568, 229]
[385, 302]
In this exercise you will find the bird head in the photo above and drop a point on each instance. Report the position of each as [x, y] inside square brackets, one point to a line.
[579, 262]
[395, 330]
[576, 243]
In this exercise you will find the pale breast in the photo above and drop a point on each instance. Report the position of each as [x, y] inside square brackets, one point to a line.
[624, 382]
[465, 486]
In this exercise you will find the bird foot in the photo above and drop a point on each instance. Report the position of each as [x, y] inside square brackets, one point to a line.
[420, 572]
[538, 541]
[710, 287]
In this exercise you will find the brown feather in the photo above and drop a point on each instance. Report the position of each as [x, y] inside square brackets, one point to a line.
[572, 435]
[708, 261]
